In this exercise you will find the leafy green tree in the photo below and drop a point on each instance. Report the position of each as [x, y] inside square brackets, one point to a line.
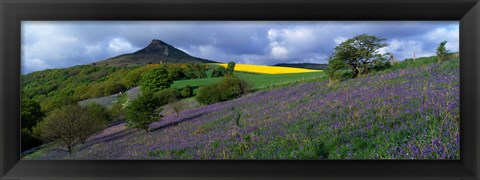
[383, 62]
[98, 111]
[68, 125]
[155, 80]
[175, 72]
[143, 111]
[55, 102]
[333, 69]
[31, 113]
[105, 88]
[133, 77]
[195, 71]
[95, 117]
[97, 90]
[359, 52]
[442, 52]
[230, 67]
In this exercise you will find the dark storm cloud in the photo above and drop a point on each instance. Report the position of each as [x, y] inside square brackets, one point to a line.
[62, 44]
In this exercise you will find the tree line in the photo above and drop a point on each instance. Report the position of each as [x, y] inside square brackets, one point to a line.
[55, 88]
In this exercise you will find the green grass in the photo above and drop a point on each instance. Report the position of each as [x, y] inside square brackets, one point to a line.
[259, 81]
[39, 152]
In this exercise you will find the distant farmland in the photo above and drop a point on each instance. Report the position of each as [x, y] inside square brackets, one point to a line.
[263, 69]
[258, 80]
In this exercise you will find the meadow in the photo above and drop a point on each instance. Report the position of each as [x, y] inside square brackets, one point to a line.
[259, 81]
[410, 111]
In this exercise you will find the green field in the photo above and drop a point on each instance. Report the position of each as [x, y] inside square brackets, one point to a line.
[259, 81]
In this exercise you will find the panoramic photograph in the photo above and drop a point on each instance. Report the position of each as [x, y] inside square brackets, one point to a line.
[240, 90]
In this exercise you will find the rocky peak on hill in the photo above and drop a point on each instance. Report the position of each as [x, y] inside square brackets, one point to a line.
[155, 52]
[157, 46]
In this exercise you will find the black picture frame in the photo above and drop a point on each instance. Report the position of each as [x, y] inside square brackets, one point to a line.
[12, 12]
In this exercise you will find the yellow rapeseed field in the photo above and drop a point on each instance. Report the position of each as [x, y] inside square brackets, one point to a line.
[269, 69]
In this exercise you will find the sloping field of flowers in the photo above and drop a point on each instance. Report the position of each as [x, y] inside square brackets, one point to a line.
[252, 68]
[409, 113]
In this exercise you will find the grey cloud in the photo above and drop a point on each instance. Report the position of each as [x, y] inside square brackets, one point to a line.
[62, 43]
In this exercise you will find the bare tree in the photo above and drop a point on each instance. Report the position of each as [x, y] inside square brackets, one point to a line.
[68, 125]
[177, 107]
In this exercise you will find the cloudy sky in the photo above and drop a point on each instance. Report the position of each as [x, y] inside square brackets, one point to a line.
[58, 44]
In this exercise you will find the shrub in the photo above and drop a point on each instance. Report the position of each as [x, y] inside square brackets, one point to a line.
[219, 72]
[142, 111]
[96, 90]
[69, 125]
[233, 87]
[177, 107]
[116, 112]
[98, 111]
[229, 87]
[187, 91]
[105, 89]
[155, 80]
[113, 88]
[209, 94]
[169, 95]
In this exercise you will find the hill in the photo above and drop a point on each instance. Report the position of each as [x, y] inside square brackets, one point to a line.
[410, 111]
[303, 65]
[54, 88]
[156, 52]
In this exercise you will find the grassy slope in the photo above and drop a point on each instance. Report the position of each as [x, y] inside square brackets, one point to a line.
[259, 81]
[403, 113]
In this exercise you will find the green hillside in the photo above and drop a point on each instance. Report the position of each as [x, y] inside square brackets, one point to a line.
[58, 87]
[410, 111]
